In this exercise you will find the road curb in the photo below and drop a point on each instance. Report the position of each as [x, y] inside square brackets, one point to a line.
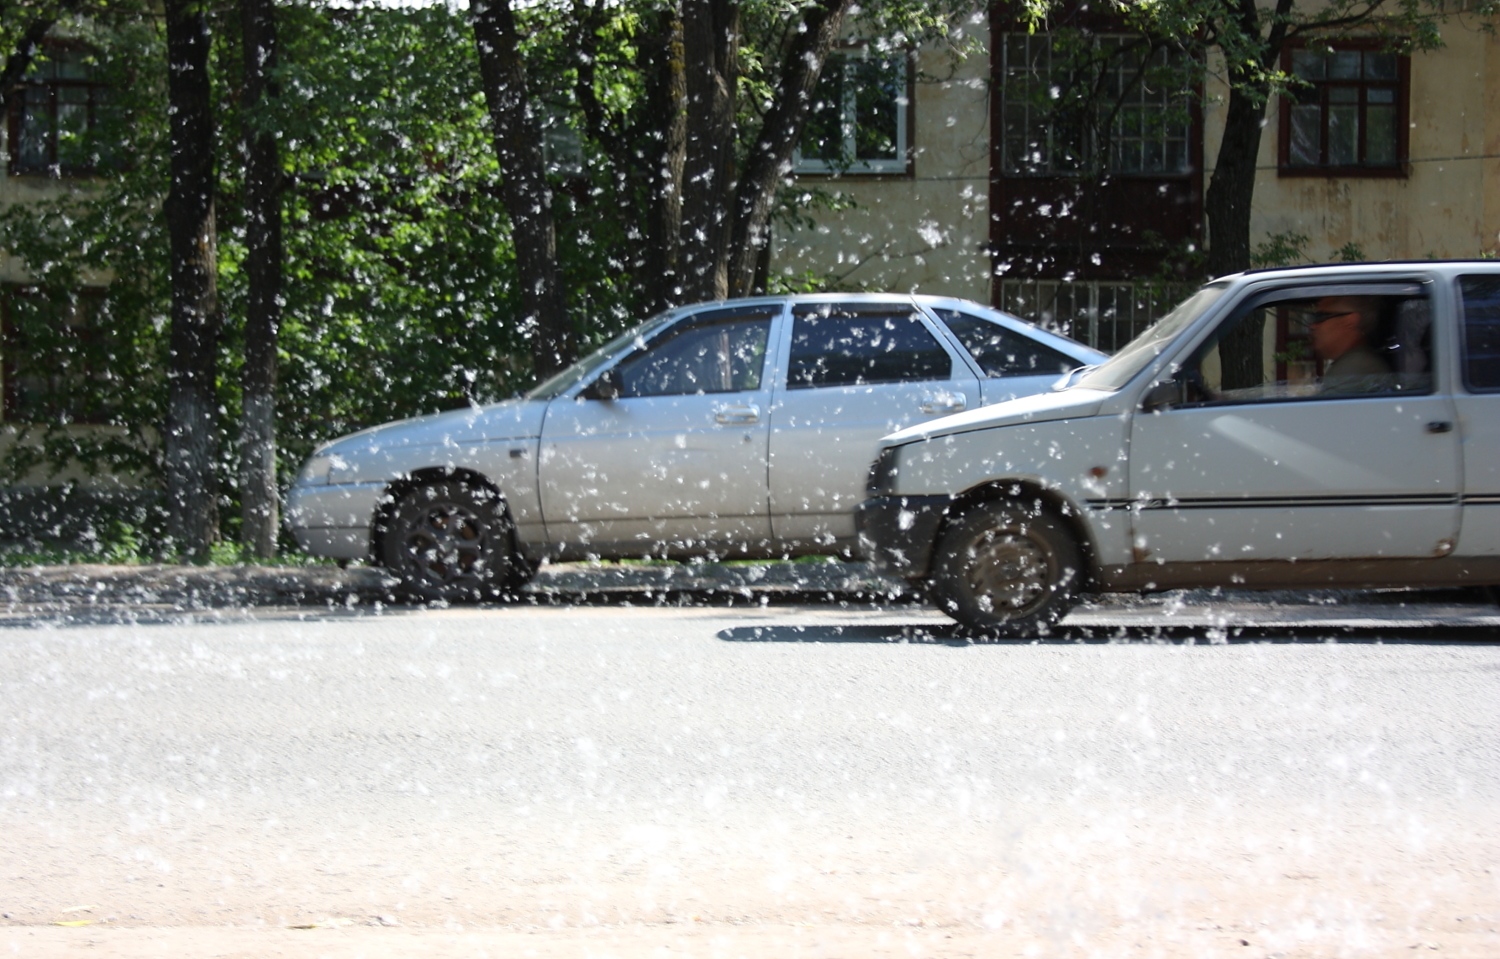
[66, 590]
[199, 587]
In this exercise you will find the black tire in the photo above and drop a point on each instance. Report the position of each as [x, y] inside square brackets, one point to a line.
[1005, 570]
[451, 541]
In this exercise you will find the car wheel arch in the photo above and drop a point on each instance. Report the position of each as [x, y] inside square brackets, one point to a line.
[1029, 493]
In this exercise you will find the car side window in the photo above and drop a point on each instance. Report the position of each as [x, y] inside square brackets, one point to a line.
[858, 344]
[1003, 352]
[718, 352]
[1334, 346]
[1481, 299]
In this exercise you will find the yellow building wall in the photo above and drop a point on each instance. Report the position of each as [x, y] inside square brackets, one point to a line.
[928, 233]
[925, 233]
[1448, 205]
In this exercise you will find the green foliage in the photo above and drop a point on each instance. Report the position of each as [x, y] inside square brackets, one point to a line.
[400, 288]
[100, 235]
[1290, 249]
[399, 281]
[1280, 249]
[113, 542]
[1350, 252]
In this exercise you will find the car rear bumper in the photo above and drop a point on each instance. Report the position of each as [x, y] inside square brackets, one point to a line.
[898, 534]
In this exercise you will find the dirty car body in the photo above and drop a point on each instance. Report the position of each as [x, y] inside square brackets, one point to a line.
[1220, 449]
[740, 428]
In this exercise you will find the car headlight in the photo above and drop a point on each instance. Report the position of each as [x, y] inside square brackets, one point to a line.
[315, 471]
[318, 469]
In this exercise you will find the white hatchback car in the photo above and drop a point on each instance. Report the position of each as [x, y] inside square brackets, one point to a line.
[738, 428]
[1330, 426]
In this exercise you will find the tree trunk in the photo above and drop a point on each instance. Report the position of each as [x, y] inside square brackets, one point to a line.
[192, 410]
[259, 496]
[770, 160]
[668, 105]
[1230, 191]
[710, 30]
[527, 198]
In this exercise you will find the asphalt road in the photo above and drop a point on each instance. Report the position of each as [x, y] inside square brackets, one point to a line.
[790, 779]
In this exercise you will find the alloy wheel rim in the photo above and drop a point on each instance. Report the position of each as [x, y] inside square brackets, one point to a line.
[447, 546]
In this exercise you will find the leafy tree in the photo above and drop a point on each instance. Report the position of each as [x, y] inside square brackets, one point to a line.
[108, 227]
[688, 116]
[402, 286]
[399, 285]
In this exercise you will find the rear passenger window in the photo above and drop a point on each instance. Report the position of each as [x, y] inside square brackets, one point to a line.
[856, 345]
[1001, 352]
[1481, 296]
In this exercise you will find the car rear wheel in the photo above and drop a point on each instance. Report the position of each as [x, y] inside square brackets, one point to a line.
[451, 541]
[1006, 570]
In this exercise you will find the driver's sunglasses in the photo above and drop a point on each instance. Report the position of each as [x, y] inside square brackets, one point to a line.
[1320, 317]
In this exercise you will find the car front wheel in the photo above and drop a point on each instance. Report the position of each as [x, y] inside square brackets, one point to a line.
[450, 541]
[1006, 570]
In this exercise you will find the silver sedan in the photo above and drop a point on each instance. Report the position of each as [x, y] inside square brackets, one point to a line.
[743, 428]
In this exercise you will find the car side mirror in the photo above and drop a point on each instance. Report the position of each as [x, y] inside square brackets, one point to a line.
[1162, 396]
[607, 386]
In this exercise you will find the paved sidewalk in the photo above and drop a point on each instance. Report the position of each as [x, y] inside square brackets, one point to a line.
[69, 590]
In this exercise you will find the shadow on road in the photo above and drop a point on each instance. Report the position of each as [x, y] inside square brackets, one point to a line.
[946, 635]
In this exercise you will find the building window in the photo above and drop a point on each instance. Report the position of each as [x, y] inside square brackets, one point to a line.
[55, 116]
[860, 115]
[1075, 104]
[1346, 112]
[56, 356]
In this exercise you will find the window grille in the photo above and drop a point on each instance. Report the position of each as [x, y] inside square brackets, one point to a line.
[1073, 104]
[1105, 315]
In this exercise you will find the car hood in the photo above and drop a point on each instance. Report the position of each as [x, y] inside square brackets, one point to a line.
[513, 419]
[1039, 408]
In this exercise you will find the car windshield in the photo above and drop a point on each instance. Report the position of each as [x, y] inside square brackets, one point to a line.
[560, 383]
[1119, 369]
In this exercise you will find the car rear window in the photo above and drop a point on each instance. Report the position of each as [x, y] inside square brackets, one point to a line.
[1003, 352]
[1481, 296]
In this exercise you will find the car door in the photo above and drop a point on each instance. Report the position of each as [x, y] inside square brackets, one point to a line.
[1255, 451]
[1479, 413]
[854, 371]
[676, 462]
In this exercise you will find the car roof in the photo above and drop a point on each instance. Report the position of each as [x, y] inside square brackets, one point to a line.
[1381, 267]
[929, 300]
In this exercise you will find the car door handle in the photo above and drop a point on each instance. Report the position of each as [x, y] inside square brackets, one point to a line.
[732, 415]
[1440, 426]
[944, 402]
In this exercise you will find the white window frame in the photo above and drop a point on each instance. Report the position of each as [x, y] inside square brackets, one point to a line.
[900, 164]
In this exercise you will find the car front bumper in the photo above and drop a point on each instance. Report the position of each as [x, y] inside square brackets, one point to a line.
[334, 520]
[898, 534]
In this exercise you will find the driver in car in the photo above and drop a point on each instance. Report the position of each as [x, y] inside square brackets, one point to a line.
[1341, 328]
